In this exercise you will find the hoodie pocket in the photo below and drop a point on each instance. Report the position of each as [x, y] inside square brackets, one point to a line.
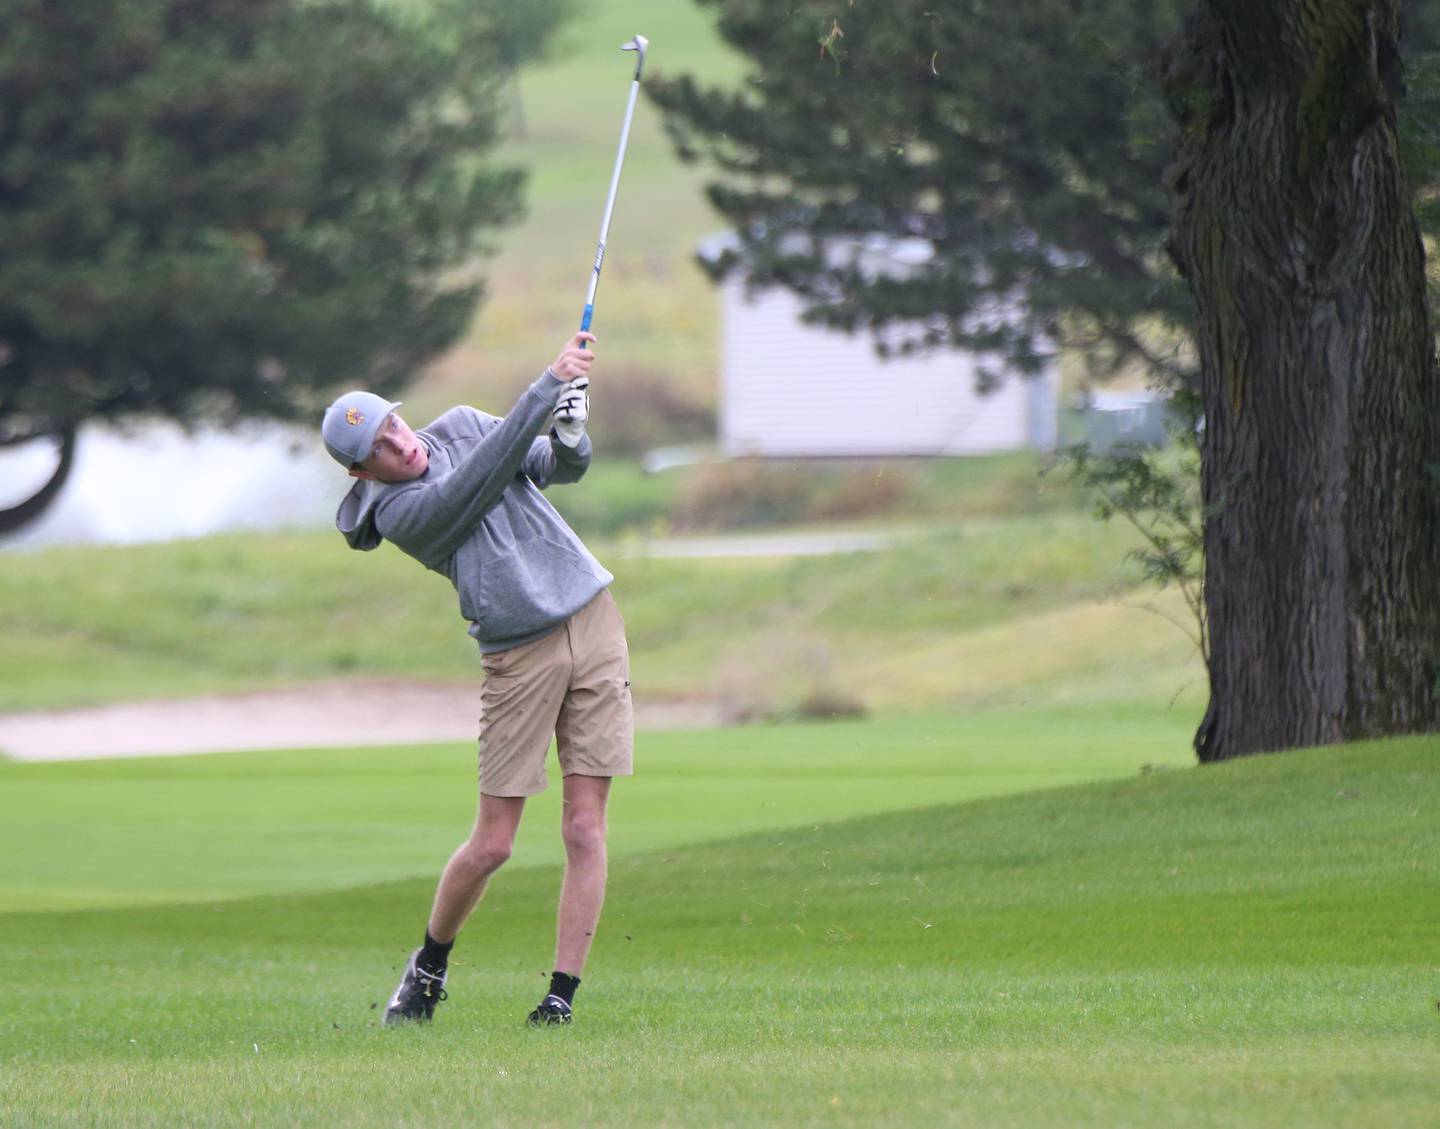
[564, 554]
[523, 591]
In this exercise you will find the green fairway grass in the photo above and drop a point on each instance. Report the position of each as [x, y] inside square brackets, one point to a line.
[1246, 945]
[196, 828]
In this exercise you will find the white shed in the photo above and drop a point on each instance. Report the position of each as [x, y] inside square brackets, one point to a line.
[788, 389]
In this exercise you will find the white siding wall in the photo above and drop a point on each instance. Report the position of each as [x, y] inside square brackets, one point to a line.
[790, 389]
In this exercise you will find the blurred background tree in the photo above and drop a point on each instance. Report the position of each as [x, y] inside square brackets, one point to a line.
[1027, 143]
[211, 209]
[1023, 142]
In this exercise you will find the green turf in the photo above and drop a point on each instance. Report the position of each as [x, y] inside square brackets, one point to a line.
[193, 828]
[1245, 945]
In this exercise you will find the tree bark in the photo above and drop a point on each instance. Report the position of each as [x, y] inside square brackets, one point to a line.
[1295, 229]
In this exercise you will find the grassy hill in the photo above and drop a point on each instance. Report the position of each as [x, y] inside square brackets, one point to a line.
[1247, 945]
[988, 610]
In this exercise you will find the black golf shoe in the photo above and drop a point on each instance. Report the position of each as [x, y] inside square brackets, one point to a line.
[552, 1011]
[415, 999]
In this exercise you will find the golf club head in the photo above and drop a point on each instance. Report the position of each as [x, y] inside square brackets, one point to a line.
[638, 45]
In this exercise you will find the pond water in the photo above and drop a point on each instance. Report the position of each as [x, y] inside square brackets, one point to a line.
[155, 482]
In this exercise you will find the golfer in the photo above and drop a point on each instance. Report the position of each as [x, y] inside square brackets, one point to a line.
[462, 496]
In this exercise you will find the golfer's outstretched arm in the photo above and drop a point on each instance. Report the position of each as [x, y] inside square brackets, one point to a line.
[430, 520]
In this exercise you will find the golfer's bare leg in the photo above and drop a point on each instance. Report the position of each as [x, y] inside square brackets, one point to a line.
[583, 893]
[470, 867]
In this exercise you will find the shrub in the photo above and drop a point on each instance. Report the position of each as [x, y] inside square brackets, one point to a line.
[636, 410]
[750, 492]
[747, 492]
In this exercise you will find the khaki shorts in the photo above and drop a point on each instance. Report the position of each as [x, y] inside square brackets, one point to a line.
[573, 684]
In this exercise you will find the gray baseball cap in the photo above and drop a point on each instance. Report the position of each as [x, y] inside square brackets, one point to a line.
[350, 425]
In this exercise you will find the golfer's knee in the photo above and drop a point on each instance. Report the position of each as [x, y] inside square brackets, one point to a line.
[584, 834]
[487, 857]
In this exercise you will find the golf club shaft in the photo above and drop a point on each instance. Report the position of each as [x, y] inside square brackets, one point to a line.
[589, 311]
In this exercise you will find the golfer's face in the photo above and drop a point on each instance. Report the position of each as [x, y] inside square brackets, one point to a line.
[397, 455]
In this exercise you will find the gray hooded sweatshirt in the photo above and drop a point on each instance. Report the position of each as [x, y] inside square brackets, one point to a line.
[477, 516]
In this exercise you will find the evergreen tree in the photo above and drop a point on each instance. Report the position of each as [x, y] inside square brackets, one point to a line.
[1023, 141]
[211, 209]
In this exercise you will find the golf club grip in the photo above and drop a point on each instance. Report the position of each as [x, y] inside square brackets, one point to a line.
[585, 322]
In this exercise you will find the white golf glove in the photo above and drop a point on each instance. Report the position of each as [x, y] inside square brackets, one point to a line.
[571, 411]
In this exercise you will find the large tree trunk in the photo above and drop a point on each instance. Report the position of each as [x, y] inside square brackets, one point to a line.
[1318, 373]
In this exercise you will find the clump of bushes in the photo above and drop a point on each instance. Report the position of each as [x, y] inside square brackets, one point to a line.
[793, 681]
[641, 410]
[752, 492]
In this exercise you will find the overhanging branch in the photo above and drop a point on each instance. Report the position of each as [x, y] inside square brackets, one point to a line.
[18, 516]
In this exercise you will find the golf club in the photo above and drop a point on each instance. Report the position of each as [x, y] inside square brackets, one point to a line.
[638, 45]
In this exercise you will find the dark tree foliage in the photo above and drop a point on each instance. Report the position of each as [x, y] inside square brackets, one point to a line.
[1022, 140]
[1028, 142]
[211, 209]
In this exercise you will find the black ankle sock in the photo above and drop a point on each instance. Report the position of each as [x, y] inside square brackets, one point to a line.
[434, 955]
[564, 985]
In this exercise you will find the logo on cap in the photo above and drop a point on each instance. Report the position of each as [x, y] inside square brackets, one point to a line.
[354, 416]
